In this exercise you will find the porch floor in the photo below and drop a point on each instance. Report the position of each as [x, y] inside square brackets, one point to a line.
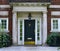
[29, 48]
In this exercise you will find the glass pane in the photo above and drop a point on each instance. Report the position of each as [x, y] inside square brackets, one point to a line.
[3, 24]
[20, 30]
[20, 34]
[37, 34]
[20, 38]
[38, 26]
[21, 22]
[20, 26]
[37, 21]
[38, 30]
[53, 21]
[38, 38]
[55, 24]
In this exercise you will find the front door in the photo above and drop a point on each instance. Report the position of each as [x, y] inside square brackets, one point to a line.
[29, 32]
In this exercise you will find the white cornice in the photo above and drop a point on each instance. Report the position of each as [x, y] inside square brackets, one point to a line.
[4, 6]
[4, 13]
[30, 9]
[29, 4]
[54, 6]
[55, 13]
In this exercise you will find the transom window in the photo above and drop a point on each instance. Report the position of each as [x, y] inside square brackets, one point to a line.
[3, 24]
[55, 24]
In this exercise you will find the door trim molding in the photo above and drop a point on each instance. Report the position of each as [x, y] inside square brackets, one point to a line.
[22, 43]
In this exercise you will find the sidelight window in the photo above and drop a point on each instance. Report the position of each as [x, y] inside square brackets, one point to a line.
[38, 29]
[21, 30]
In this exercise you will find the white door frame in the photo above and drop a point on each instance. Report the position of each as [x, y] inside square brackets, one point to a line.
[42, 9]
[22, 42]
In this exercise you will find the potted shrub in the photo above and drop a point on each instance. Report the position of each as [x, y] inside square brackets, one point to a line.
[5, 40]
[53, 39]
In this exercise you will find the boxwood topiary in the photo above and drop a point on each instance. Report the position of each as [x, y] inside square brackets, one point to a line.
[5, 40]
[53, 39]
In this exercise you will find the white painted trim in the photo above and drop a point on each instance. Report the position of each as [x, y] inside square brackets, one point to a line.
[40, 31]
[18, 32]
[57, 30]
[14, 33]
[29, 3]
[44, 27]
[5, 30]
[4, 13]
[35, 32]
[55, 13]
[22, 32]
[54, 6]
[36, 42]
[22, 41]
[54, 31]
[30, 9]
[4, 6]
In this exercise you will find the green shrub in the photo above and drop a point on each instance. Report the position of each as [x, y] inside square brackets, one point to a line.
[5, 40]
[53, 39]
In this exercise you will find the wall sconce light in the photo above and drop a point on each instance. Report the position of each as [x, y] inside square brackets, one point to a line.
[29, 16]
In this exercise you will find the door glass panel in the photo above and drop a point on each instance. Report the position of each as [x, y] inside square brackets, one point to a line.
[21, 38]
[20, 34]
[38, 38]
[38, 30]
[21, 30]
[37, 34]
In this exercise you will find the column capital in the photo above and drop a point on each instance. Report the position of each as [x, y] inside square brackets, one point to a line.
[45, 12]
[14, 12]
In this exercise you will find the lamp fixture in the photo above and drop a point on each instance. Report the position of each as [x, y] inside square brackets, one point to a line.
[29, 16]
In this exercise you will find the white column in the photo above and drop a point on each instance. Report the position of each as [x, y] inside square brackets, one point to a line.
[44, 27]
[14, 34]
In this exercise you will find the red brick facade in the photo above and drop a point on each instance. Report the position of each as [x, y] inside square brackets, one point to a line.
[9, 16]
[49, 16]
[55, 2]
[3, 2]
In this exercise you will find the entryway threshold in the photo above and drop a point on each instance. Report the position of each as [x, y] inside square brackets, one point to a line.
[29, 48]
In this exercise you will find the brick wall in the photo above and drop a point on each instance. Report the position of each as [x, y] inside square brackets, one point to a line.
[51, 16]
[2, 2]
[9, 16]
[55, 2]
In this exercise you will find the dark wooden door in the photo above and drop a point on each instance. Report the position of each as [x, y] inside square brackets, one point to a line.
[29, 30]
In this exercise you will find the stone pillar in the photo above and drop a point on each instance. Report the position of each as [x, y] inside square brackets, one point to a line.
[44, 27]
[14, 34]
